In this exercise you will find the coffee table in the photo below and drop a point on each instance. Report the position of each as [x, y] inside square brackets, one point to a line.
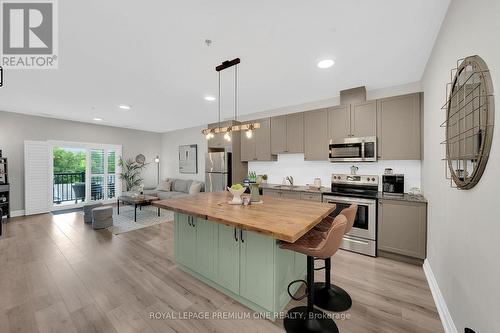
[137, 201]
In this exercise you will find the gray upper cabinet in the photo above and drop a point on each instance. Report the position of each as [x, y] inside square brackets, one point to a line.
[295, 133]
[352, 120]
[339, 122]
[364, 119]
[398, 127]
[263, 141]
[316, 135]
[402, 228]
[287, 134]
[278, 135]
[247, 147]
[218, 141]
[258, 147]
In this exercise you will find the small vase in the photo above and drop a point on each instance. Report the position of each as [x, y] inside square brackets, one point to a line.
[236, 195]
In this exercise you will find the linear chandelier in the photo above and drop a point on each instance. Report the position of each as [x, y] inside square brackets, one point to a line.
[227, 130]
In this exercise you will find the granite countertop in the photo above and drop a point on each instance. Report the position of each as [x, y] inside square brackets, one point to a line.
[295, 188]
[299, 188]
[405, 197]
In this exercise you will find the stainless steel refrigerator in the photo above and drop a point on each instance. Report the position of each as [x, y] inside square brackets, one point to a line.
[217, 171]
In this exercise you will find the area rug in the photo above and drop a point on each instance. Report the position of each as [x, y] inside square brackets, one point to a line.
[146, 217]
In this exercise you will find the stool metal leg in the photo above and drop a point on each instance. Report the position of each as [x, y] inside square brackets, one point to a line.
[307, 319]
[329, 296]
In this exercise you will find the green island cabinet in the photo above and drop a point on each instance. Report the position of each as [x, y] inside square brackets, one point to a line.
[245, 265]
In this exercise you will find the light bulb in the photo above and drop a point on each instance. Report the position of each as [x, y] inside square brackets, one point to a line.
[227, 136]
[249, 134]
[208, 136]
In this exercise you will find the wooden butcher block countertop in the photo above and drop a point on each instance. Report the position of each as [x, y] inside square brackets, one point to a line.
[283, 219]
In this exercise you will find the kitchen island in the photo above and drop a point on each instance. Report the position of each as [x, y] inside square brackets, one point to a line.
[235, 249]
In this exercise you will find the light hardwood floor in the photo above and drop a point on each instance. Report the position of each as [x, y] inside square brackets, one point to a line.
[59, 275]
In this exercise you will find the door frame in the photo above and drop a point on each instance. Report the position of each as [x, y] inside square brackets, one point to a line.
[88, 146]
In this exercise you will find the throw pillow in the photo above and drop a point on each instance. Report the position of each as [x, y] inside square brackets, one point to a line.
[195, 188]
[165, 185]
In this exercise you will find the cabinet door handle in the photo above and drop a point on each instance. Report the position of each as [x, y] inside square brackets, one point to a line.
[192, 222]
[235, 235]
[189, 220]
[241, 236]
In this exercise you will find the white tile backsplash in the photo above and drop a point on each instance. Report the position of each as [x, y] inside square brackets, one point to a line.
[304, 172]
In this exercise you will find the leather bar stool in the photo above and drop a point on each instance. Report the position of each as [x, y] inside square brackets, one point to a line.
[327, 295]
[314, 244]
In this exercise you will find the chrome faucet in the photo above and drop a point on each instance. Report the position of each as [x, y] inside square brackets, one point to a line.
[290, 180]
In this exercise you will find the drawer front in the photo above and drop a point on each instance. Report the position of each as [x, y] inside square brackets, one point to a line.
[310, 196]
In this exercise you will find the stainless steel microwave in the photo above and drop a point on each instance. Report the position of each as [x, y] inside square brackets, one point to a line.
[361, 149]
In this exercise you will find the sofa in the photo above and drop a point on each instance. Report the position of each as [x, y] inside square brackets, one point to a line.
[176, 188]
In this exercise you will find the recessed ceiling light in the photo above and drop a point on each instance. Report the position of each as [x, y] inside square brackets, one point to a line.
[97, 119]
[326, 63]
[125, 107]
[210, 98]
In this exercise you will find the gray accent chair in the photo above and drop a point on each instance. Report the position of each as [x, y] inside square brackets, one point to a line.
[102, 217]
[87, 211]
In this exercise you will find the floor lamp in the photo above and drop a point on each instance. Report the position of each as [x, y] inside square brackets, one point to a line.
[157, 161]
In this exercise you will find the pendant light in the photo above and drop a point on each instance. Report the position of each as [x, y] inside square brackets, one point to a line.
[228, 130]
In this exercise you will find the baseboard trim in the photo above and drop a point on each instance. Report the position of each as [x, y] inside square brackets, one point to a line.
[444, 313]
[17, 213]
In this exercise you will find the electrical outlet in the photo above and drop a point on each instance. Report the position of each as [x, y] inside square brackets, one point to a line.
[468, 330]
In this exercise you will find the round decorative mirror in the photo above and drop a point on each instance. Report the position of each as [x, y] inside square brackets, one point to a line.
[140, 159]
[470, 113]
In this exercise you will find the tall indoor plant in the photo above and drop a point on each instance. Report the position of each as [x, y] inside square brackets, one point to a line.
[131, 172]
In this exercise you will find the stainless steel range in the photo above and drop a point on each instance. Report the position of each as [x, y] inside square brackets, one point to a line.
[361, 190]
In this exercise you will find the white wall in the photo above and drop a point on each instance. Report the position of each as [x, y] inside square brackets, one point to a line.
[304, 172]
[169, 158]
[290, 164]
[463, 226]
[16, 128]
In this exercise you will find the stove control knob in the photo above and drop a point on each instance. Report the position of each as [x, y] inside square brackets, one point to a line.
[368, 179]
[334, 177]
[373, 179]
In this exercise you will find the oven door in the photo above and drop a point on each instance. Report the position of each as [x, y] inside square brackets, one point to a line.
[365, 221]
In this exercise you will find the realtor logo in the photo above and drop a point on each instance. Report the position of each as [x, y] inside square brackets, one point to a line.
[29, 34]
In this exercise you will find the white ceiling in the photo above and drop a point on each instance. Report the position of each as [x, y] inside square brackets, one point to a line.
[152, 55]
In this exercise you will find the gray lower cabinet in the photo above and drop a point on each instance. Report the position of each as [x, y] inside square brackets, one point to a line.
[398, 127]
[402, 228]
[284, 194]
[290, 195]
[310, 196]
[287, 134]
[316, 135]
[258, 147]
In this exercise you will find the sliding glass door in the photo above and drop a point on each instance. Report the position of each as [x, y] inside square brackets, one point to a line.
[82, 173]
[69, 170]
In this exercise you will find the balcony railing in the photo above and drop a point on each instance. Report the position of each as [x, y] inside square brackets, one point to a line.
[70, 186]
